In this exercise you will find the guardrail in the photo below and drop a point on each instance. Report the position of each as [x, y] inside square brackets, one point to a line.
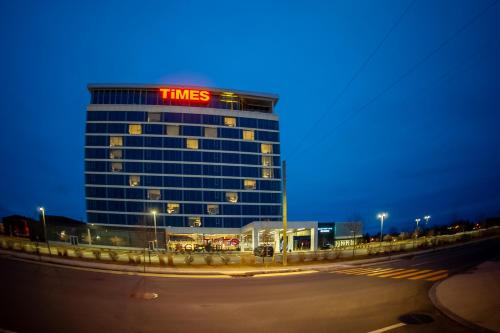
[132, 256]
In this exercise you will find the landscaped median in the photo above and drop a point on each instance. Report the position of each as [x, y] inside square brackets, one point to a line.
[225, 263]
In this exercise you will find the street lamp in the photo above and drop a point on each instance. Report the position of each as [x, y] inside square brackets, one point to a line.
[42, 210]
[381, 217]
[417, 221]
[427, 219]
[154, 221]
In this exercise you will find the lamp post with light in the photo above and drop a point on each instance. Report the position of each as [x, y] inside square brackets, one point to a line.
[42, 210]
[154, 221]
[381, 217]
[417, 221]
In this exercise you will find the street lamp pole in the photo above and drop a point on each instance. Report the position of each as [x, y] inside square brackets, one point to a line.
[416, 230]
[154, 221]
[381, 217]
[42, 210]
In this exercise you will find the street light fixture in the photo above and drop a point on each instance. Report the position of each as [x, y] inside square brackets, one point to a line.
[382, 217]
[416, 230]
[427, 219]
[154, 221]
[42, 210]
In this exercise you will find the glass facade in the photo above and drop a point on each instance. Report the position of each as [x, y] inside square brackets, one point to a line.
[195, 166]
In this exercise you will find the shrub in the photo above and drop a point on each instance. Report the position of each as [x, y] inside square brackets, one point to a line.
[97, 254]
[114, 255]
[208, 259]
[78, 253]
[63, 252]
[225, 259]
[189, 259]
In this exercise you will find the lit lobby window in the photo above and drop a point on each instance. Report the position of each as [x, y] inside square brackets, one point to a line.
[173, 130]
[135, 129]
[210, 132]
[194, 221]
[267, 173]
[248, 135]
[154, 195]
[134, 180]
[267, 161]
[266, 148]
[173, 208]
[249, 184]
[213, 209]
[115, 154]
[116, 167]
[231, 197]
[116, 141]
[192, 143]
[230, 121]
[154, 117]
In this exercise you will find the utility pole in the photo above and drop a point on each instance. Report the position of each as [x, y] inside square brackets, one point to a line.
[285, 236]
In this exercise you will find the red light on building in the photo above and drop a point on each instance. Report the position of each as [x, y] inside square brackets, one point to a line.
[179, 94]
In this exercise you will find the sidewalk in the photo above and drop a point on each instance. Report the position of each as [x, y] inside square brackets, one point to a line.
[472, 298]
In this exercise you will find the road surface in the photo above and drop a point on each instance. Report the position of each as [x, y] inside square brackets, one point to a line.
[42, 298]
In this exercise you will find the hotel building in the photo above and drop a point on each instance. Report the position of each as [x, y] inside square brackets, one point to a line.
[198, 157]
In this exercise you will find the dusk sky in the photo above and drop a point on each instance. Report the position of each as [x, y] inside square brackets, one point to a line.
[384, 105]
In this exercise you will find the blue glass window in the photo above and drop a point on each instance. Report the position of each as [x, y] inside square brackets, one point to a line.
[172, 181]
[191, 169]
[172, 155]
[118, 193]
[212, 170]
[212, 182]
[192, 195]
[230, 171]
[191, 156]
[230, 145]
[172, 168]
[193, 182]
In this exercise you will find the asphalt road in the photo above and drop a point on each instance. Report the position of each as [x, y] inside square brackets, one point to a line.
[39, 298]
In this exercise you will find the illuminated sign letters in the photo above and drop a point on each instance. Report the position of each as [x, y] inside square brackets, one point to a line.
[179, 94]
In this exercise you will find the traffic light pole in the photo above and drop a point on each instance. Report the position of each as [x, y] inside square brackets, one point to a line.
[285, 236]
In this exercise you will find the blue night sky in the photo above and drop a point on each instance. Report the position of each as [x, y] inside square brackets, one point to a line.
[384, 105]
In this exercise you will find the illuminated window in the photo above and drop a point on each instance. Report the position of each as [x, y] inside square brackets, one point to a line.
[267, 173]
[172, 129]
[249, 184]
[134, 180]
[266, 148]
[267, 161]
[194, 221]
[116, 166]
[173, 208]
[213, 209]
[115, 154]
[192, 143]
[154, 117]
[210, 132]
[230, 121]
[232, 197]
[154, 195]
[135, 129]
[248, 135]
[116, 141]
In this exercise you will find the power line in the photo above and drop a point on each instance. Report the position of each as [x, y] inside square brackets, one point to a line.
[413, 68]
[356, 74]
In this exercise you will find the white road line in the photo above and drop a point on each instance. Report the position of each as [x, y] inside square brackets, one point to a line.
[388, 328]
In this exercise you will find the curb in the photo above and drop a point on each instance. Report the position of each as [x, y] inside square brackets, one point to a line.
[141, 269]
[452, 315]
